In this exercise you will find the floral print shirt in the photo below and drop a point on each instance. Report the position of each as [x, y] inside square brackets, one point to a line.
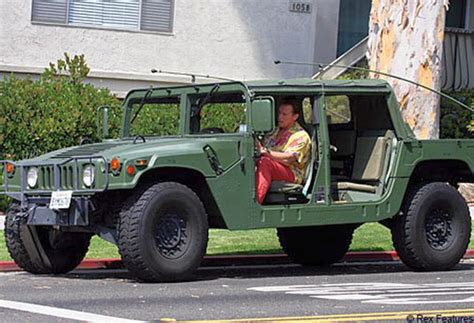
[294, 140]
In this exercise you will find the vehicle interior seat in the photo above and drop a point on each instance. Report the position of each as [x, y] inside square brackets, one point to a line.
[342, 157]
[372, 156]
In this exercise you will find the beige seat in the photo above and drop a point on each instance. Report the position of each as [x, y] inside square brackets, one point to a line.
[370, 163]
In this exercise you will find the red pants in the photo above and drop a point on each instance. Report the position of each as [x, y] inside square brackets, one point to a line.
[269, 170]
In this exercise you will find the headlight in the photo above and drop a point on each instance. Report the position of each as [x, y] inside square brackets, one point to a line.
[32, 177]
[88, 175]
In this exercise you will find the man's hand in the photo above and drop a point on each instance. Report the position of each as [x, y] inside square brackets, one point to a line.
[260, 148]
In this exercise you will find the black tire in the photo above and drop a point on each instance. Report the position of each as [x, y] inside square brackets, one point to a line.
[64, 250]
[316, 246]
[434, 228]
[163, 233]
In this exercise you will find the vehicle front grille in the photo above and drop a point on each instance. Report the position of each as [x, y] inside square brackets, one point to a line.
[46, 178]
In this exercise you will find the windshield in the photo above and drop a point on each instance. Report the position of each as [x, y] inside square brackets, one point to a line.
[221, 113]
[154, 117]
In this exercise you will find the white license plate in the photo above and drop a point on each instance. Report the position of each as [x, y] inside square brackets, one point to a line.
[60, 200]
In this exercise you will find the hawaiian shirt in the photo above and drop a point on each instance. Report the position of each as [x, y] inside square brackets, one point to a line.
[294, 140]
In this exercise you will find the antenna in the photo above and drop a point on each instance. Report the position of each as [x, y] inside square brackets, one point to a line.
[192, 75]
[321, 65]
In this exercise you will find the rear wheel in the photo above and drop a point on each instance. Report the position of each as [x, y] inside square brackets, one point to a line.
[316, 246]
[58, 252]
[434, 228]
[163, 233]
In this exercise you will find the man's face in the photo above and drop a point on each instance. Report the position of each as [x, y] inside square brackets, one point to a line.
[286, 117]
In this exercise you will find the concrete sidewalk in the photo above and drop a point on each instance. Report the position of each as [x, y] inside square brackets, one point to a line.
[2, 218]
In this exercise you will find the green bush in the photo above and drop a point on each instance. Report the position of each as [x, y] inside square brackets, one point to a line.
[155, 120]
[53, 112]
[456, 121]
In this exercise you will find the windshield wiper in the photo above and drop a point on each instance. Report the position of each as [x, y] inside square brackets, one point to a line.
[197, 107]
[142, 103]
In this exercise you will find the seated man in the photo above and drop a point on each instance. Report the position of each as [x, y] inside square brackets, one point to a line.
[284, 153]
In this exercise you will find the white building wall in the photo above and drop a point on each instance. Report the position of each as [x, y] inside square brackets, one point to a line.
[237, 39]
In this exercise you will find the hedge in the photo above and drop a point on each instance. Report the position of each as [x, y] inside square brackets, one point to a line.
[55, 111]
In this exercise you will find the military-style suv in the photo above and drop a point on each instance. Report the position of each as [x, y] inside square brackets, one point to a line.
[185, 163]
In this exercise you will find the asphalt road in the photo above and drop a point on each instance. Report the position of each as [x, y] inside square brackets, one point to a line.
[239, 293]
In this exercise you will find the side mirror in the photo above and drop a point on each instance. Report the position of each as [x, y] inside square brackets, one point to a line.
[105, 121]
[262, 115]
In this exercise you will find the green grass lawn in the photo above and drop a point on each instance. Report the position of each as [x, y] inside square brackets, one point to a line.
[369, 237]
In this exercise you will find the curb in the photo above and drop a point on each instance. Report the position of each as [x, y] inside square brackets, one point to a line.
[358, 256]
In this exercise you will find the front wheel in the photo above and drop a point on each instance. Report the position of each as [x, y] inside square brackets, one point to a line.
[41, 249]
[163, 233]
[434, 228]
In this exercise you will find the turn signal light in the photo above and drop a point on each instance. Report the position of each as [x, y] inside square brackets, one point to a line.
[131, 170]
[115, 164]
[10, 168]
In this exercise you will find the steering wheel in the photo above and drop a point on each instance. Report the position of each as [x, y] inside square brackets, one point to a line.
[85, 141]
[212, 130]
[139, 137]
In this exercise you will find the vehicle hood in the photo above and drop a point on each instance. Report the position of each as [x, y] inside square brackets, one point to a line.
[125, 149]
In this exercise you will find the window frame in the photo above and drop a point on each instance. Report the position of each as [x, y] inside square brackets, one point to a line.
[66, 22]
[350, 122]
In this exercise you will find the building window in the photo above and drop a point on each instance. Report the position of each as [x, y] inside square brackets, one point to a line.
[148, 15]
[456, 15]
[353, 23]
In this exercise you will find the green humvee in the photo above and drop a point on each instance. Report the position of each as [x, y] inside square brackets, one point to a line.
[156, 196]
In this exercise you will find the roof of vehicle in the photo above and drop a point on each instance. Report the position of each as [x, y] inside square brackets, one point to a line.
[285, 85]
[313, 82]
[290, 84]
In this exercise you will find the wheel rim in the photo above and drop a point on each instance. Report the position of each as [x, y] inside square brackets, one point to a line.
[171, 236]
[438, 227]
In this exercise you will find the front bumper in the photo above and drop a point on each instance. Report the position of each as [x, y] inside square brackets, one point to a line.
[63, 175]
[77, 214]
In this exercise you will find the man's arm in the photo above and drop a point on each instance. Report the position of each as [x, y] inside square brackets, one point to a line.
[298, 145]
[282, 157]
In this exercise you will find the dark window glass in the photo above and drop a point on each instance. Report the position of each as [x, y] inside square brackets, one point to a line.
[456, 15]
[353, 23]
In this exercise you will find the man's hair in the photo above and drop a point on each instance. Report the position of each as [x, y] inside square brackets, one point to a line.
[292, 102]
